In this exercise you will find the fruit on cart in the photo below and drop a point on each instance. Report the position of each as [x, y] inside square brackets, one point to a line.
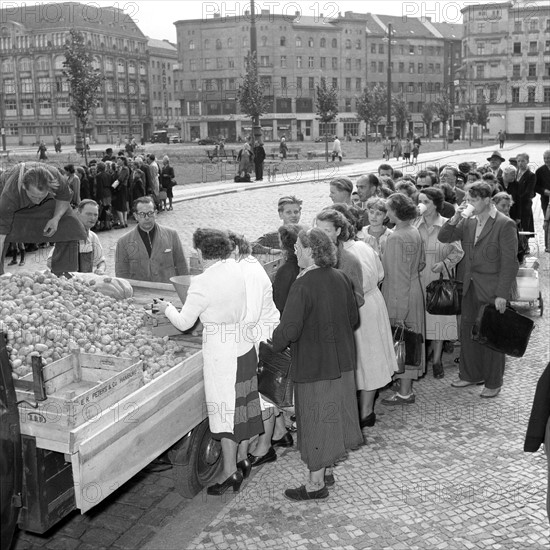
[46, 315]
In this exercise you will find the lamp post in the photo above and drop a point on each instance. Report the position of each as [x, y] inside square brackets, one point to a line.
[256, 128]
[2, 129]
[389, 125]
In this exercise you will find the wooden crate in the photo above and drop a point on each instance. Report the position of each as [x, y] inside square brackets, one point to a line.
[78, 387]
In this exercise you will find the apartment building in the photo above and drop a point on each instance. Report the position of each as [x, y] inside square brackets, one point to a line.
[506, 60]
[294, 54]
[34, 95]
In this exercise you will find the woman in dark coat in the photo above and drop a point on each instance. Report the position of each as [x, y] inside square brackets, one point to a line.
[318, 322]
[288, 271]
[120, 192]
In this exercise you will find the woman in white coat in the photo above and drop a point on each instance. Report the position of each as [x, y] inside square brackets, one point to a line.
[218, 298]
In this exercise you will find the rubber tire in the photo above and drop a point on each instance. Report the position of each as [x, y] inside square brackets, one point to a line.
[197, 461]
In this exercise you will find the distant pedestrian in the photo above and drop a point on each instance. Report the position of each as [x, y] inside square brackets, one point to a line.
[397, 148]
[415, 151]
[259, 158]
[407, 148]
[42, 151]
[336, 149]
[386, 147]
[283, 148]
[501, 136]
[57, 145]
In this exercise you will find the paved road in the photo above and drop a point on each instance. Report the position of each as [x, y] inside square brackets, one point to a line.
[447, 472]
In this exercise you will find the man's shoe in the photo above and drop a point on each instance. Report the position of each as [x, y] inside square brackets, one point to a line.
[301, 493]
[270, 456]
[329, 480]
[285, 441]
[488, 393]
[438, 370]
[13, 262]
[397, 399]
[459, 383]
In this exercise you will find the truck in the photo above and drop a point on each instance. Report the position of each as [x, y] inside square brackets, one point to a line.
[55, 467]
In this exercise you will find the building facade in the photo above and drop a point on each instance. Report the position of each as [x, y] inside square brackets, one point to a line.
[34, 94]
[294, 54]
[506, 61]
[165, 106]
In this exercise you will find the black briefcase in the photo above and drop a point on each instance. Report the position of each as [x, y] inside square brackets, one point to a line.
[413, 344]
[507, 332]
[274, 382]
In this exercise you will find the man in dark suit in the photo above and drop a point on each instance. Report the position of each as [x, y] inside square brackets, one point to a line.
[495, 160]
[542, 187]
[490, 266]
[449, 174]
[526, 191]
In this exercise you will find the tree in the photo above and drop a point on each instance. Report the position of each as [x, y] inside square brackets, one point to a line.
[482, 115]
[252, 100]
[444, 110]
[85, 83]
[327, 107]
[401, 113]
[370, 108]
[428, 116]
[470, 116]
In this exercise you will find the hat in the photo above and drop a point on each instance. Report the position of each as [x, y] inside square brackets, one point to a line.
[496, 154]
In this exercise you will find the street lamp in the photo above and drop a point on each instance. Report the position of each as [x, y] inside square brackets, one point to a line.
[389, 125]
[256, 128]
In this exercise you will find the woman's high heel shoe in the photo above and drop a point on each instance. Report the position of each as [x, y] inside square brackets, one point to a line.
[235, 480]
[244, 466]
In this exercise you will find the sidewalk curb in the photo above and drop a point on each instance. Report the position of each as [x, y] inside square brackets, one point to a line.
[224, 187]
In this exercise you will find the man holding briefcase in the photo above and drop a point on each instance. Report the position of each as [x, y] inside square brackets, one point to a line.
[490, 266]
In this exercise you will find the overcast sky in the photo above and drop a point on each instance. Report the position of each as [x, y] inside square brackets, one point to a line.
[156, 17]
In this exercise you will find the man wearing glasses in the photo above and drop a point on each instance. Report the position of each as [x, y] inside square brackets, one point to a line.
[150, 252]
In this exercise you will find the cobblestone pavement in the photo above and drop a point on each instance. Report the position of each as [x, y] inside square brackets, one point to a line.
[446, 472]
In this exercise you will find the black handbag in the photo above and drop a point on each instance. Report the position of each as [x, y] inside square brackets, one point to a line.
[443, 296]
[274, 382]
[413, 344]
[507, 332]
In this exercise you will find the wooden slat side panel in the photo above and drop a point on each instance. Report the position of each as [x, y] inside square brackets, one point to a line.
[102, 465]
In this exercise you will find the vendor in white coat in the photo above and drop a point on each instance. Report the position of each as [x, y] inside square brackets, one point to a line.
[262, 316]
[218, 298]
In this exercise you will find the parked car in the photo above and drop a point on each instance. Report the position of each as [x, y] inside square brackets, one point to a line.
[160, 136]
[175, 138]
[207, 141]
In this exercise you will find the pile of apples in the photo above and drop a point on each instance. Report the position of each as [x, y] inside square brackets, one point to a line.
[50, 316]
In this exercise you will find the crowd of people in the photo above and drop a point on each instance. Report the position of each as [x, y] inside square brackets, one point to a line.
[344, 287]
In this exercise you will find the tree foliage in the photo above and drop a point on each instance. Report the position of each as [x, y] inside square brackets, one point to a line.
[85, 82]
[252, 100]
[400, 112]
[444, 110]
[327, 107]
[428, 116]
[370, 108]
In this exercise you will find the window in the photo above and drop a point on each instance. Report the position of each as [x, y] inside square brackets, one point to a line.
[529, 124]
[547, 69]
[311, 83]
[480, 48]
[207, 44]
[245, 42]
[373, 48]
[323, 43]
[401, 67]
[480, 71]
[219, 63]
[373, 66]
[323, 63]
[515, 95]
[411, 68]
[358, 44]
[547, 46]
[230, 63]
[479, 95]
[298, 42]
[26, 85]
[437, 88]
[310, 42]
[358, 64]
[304, 105]
[516, 71]
[380, 48]
[229, 42]
[438, 68]
[11, 105]
[283, 82]
[207, 63]
[264, 41]
[25, 64]
[192, 64]
[420, 68]
[420, 50]
[9, 86]
[533, 25]
[532, 69]
[335, 83]
[348, 44]
[334, 62]
[334, 43]
[264, 60]
[310, 62]
[348, 84]
[193, 84]
[517, 48]
[358, 87]
[517, 26]
[299, 82]
[348, 63]
[410, 88]
[493, 91]
[282, 41]
[380, 66]
[531, 94]
[218, 44]
[283, 61]
[546, 95]
[430, 68]
[545, 124]
[347, 105]
[410, 106]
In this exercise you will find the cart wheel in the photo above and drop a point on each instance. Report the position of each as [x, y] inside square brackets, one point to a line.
[197, 461]
[541, 304]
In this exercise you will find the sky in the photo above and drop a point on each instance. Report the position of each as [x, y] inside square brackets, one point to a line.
[155, 18]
